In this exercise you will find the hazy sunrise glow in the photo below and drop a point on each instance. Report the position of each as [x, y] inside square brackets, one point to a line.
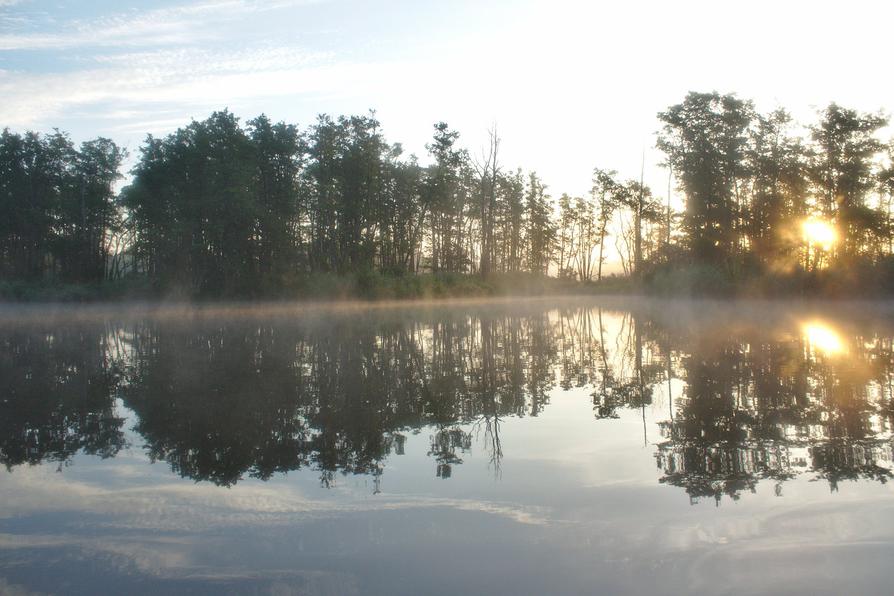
[824, 338]
[819, 233]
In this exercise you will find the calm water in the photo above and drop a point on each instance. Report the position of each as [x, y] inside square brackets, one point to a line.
[568, 447]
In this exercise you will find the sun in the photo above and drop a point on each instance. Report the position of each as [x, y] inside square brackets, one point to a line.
[819, 232]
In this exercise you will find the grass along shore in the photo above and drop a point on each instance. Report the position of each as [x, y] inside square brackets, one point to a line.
[320, 286]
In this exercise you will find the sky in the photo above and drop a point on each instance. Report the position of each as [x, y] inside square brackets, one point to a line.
[569, 85]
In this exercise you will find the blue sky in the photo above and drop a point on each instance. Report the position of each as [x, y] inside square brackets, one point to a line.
[570, 85]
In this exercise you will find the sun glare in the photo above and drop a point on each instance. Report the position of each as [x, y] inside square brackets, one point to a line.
[823, 338]
[819, 233]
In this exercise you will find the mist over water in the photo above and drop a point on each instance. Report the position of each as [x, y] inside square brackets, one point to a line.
[540, 446]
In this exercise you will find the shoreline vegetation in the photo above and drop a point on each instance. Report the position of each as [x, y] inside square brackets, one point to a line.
[368, 286]
[221, 210]
[371, 286]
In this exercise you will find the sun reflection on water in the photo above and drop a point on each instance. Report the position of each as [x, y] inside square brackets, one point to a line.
[824, 338]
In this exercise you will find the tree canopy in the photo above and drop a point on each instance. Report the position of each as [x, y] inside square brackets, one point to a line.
[221, 207]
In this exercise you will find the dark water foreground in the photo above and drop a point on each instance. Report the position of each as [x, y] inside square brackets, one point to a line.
[566, 447]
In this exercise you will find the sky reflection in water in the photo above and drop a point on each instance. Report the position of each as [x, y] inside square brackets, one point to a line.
[569, 447]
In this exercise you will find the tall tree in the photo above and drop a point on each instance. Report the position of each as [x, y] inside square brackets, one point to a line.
[443, 199]
[842, 170]
[608, 194]
[540, 230]
[280, 154]
[488, 171]
[704, 140]
[778, 191]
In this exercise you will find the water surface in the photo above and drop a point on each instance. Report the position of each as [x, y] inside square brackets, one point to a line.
[548, 446]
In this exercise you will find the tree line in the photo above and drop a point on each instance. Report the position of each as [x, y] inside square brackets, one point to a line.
[750, 179]
[58, 211]
[222, 207]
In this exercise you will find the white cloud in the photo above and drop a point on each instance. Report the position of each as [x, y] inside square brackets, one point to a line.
[175, 81]
[190, 23]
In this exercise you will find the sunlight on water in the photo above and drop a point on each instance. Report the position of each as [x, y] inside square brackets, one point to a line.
[824, 338]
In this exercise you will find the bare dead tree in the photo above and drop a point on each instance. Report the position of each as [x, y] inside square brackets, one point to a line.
[488, 170]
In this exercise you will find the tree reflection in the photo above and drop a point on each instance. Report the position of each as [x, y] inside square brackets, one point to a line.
[222, 400]
[56, 396]
[758, 406]
[444, 447]
[226, 401]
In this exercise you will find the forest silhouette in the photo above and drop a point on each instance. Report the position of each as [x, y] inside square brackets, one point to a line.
[218, 209]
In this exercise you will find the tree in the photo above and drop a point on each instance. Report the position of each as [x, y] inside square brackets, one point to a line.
[635, 199]
[842, 171]
[443, 199]
[488, 172]
[88, 213]
[540, 230]
[886, 186]
[587, 237]
[704, 140]
[280, 154]
[193, 209]
[567, 236]
[608, 194]
[776, 161]
[57, 205]
[510, 221]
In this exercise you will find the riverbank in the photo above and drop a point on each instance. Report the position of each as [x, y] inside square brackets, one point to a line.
[369, 286]
[859, 279]
[681, 281]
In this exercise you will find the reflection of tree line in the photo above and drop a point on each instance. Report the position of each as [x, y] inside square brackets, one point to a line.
[219, 401]
[57, 397]
[757, 408]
